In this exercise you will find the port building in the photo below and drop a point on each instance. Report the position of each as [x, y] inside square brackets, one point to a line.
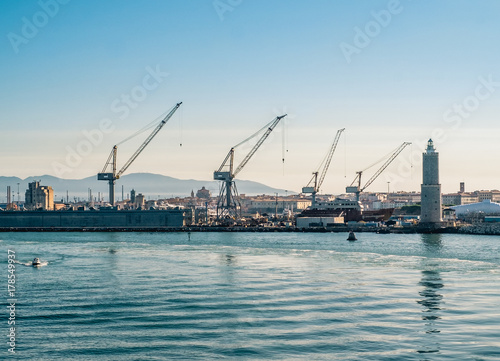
[39, 197]
[486, 207]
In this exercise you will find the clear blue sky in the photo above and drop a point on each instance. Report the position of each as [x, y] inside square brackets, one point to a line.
[238, 64]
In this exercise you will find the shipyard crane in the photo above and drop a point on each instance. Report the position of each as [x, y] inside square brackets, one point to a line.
[314, 185]
[358, 189]
[228, 203]
[112, 176]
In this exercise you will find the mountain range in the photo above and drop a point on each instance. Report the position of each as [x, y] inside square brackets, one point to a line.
[151, 185]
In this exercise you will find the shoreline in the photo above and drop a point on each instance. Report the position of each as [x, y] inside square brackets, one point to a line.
[477, 229]
[202, 229]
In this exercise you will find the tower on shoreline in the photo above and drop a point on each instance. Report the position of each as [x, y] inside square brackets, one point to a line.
[430, 215]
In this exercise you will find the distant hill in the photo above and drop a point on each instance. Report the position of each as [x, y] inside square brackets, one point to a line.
[151, 185]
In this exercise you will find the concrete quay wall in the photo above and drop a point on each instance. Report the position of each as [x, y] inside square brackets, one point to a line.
[91, 219]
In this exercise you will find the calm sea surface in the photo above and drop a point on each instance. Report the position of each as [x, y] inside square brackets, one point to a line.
[253, 296]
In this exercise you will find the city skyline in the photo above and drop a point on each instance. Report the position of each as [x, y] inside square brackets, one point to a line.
[89, 73]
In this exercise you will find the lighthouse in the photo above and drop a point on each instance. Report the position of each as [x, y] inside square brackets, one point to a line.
[430, 215]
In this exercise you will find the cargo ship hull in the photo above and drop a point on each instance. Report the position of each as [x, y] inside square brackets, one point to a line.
[350, 210]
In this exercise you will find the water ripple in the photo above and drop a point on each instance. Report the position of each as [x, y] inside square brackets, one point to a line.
[257, 297]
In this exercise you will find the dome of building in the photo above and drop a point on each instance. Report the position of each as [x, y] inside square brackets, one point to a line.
[486, 207]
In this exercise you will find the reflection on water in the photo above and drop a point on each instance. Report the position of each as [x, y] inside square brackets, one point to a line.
[230, 260]
[430, 294]
[244, 296]
[432, 283]
[433, 243]
[228, 264]
[111, 266]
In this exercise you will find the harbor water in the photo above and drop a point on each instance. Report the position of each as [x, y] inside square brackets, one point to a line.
[253, 296]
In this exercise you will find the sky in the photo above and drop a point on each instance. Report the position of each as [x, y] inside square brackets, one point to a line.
[78, 77]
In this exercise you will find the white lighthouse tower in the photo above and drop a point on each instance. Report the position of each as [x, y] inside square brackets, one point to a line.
[430, 215]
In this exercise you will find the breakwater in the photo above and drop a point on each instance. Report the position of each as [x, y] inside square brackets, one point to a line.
[481, 228]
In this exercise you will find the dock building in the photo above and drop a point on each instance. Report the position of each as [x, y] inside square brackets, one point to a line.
[38, 196]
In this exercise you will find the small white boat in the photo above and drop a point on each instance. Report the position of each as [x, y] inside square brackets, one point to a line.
[36, 262]
[352, 236]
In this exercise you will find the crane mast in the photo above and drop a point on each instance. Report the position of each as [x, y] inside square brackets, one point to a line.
[358, 189]
[112, 176]
[326, 164]
[228, 203]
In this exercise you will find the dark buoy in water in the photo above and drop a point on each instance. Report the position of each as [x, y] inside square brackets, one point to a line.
[352, 236]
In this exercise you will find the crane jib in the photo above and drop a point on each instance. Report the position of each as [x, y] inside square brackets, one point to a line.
[228, 203]
[112, 176]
